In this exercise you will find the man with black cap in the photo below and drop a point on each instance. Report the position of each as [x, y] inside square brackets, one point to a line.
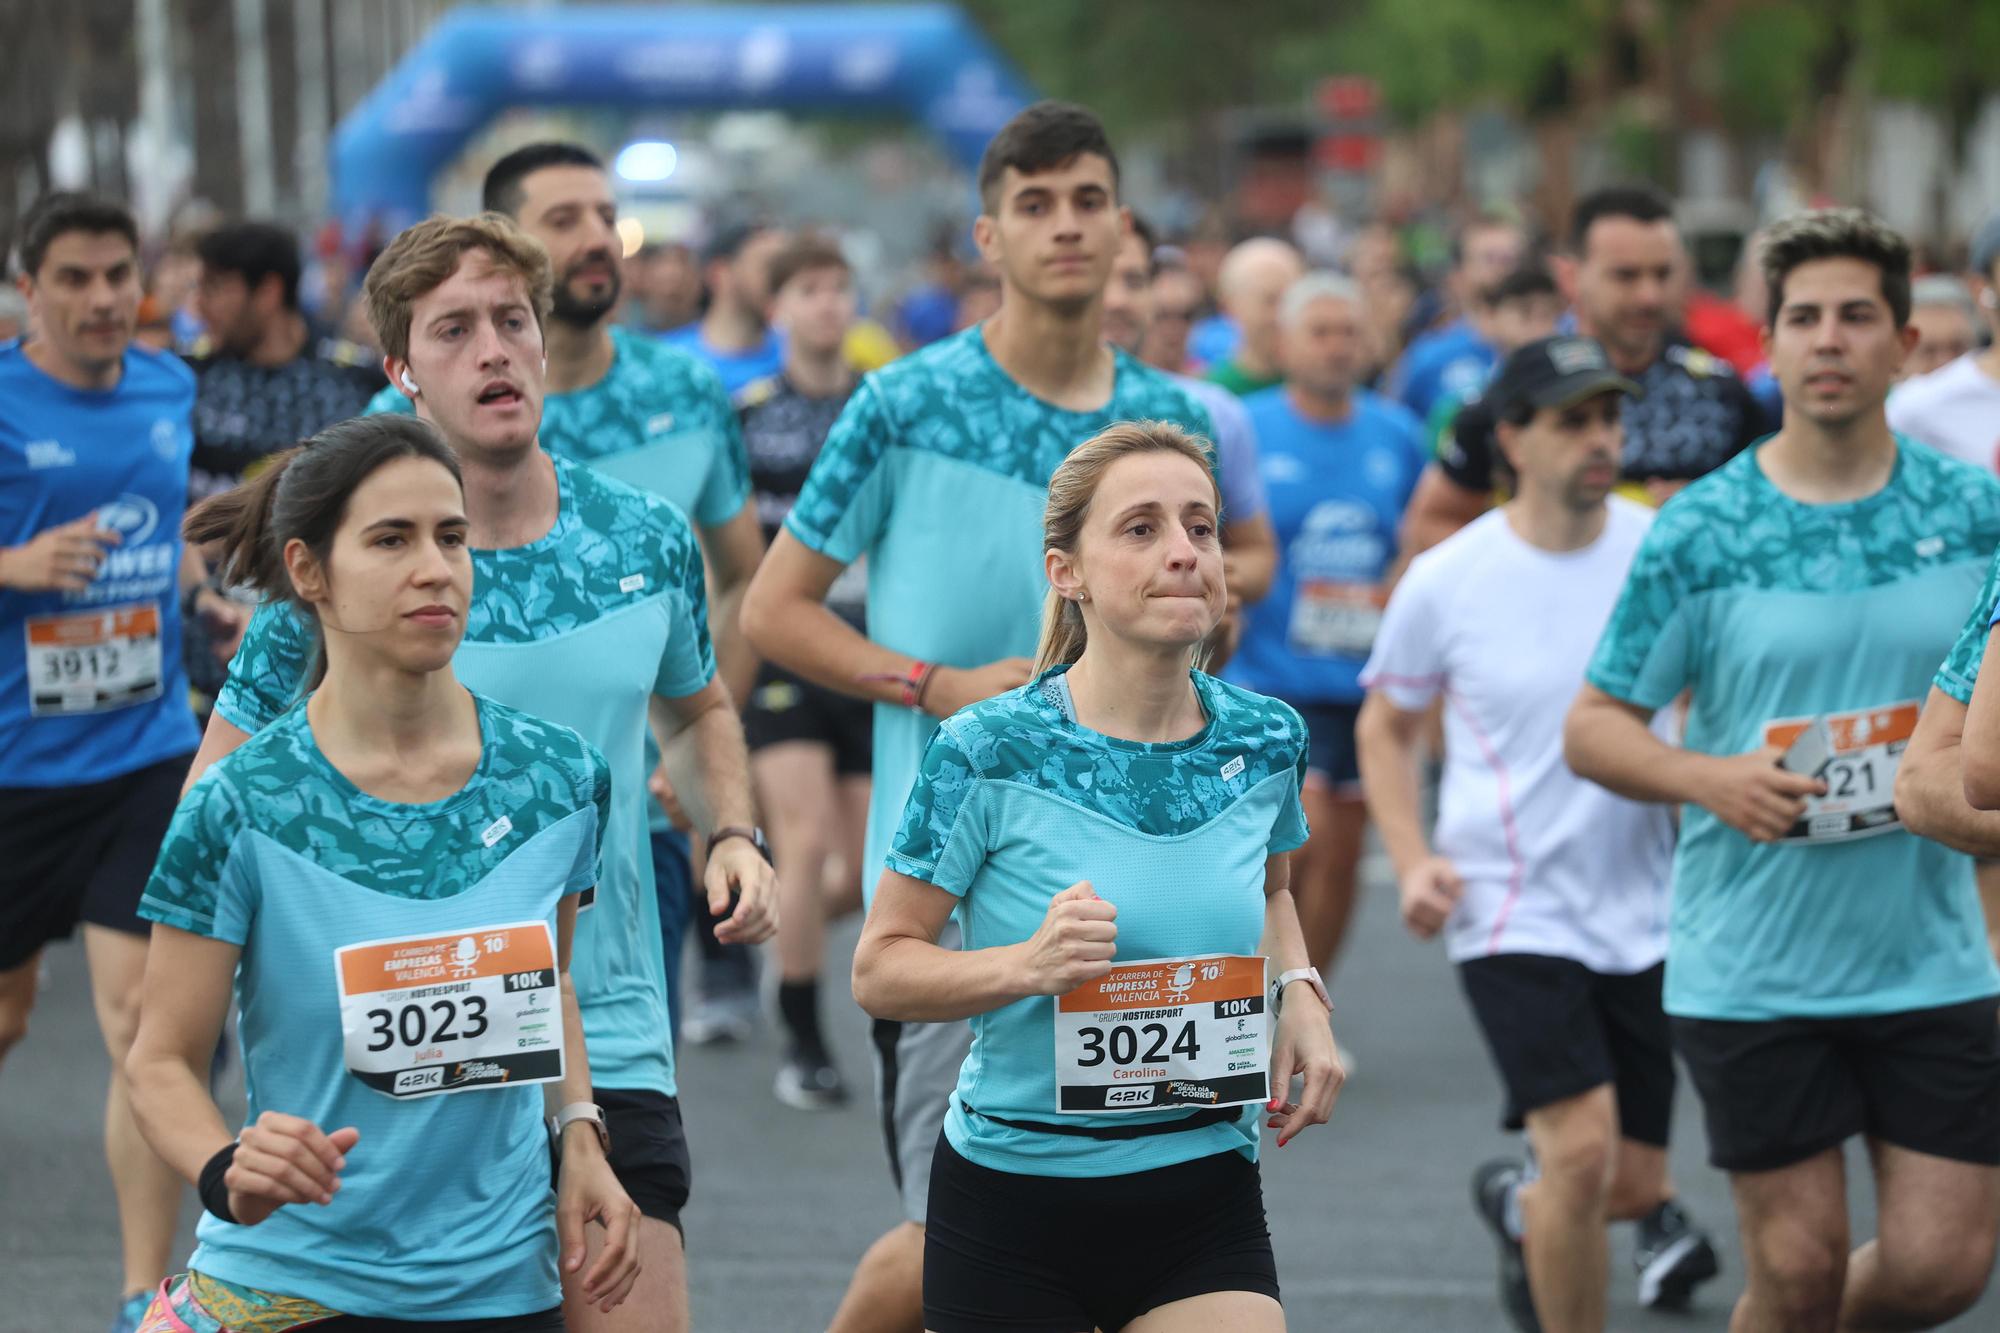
[1955, 409]
[1550, 892]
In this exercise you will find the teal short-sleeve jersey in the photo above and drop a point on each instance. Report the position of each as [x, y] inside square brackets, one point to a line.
[659, 419]
[1960, 671]
[445, 1210]
[1015, 802]
[583, 626]
[937, 471]
[1781, 617]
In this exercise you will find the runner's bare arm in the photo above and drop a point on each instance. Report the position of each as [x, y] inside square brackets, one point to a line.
[732, 550]
[186, 998]
[221, 739]
[1249, 557]
[1982, 730]
[1934, 781]
[707, 722]
[1607, 741]
[786, 618]
[1439, 508]
[900, 973]
[1388, 741]
[587, 1190]
[1304, 1044]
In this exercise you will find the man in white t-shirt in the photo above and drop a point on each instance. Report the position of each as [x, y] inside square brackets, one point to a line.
[1549, 890]
[1956, 408]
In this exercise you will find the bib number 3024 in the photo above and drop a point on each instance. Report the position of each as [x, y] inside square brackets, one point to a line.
[1163, 1033]
[430, 1014]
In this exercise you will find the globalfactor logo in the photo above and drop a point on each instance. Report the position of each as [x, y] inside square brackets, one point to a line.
[133, 517]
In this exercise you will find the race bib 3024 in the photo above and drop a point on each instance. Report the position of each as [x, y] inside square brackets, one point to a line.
[1162, 1033]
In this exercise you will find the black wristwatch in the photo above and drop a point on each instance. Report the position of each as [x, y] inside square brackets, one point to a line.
[751, 832]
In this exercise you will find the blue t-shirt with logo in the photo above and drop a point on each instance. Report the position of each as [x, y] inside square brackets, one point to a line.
[91, 683]
[1015, 802]
[1337, 493]
[444, 1210]
[583, 626]
[1778, 618]
[737, 368]
[1453, 360]
[938, 471]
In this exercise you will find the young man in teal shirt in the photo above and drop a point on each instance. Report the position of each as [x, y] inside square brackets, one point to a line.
[632, 407]
[1827, 970]
[937, 471]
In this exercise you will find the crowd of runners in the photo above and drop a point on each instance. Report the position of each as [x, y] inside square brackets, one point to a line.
[396, 719]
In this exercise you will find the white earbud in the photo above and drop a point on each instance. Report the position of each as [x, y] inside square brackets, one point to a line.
[409, 384]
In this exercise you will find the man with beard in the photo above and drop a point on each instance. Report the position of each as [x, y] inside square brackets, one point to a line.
[638, 410]
[1693, 413]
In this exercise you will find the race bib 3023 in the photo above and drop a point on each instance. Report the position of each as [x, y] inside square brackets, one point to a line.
[472, 1009]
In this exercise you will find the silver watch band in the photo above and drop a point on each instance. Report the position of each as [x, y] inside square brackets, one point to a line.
[1309, 975]
[576, 1111]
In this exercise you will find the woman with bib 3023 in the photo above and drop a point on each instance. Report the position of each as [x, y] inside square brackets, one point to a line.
[1112, 838]
[390, 873]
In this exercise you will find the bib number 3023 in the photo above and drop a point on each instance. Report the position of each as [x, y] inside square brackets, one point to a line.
[431, 1014]
[1162, 1033]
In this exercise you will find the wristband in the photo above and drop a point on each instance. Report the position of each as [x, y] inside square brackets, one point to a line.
[913, 682]
[214, 1193]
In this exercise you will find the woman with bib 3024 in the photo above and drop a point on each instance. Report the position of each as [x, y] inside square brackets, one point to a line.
[1112, 838]
[390, 874]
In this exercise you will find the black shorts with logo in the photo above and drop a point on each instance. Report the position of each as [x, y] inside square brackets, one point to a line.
[1776, 1092]
[1556, 1029]
[785, 707]
[84, 853]
[1012, 1253]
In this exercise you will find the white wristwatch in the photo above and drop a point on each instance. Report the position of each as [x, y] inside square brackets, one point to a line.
[576, 1111]
[1309, 975]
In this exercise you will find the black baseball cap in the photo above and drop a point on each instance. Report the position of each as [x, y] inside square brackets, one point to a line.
[1555, 372]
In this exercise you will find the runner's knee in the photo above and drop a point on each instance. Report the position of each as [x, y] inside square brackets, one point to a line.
[1942, 1281]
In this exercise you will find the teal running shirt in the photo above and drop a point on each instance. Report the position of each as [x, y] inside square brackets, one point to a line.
[937, 471]
[658, 420]
[1783, 618]
[582, 626]
[1960, 671]
[445, 1209]
[1015, 802]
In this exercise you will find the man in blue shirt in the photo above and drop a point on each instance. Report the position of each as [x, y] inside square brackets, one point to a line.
[95, 728]
[1339, 464]
[734, 334]
[1827, 970]
[1455, 359]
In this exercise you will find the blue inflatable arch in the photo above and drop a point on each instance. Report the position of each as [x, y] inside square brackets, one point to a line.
[928, 61]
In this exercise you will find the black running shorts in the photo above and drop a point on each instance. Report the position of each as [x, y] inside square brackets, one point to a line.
[1776, 1092]
[1556, 1029]
[785, 707]
[649, 1151]
[70, 854]
[1008, 1253]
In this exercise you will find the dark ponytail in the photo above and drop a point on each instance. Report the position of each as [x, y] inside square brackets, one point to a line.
[302, 495]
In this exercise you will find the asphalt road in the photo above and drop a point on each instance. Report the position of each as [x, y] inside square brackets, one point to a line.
[1374, 1230]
